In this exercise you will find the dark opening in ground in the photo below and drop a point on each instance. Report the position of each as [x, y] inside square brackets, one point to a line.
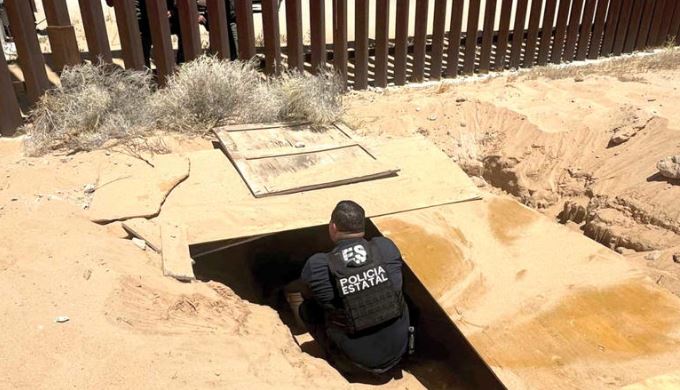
[259, 269]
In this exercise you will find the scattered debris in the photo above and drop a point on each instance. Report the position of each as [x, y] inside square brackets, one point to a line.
[669, 167]
[87, 274]
[578, 79]
[460, 100]
[653, 255]
[141, 244]
[89, 189]
[299, 145]
[14, 199]
[61, 319]
[432, 118]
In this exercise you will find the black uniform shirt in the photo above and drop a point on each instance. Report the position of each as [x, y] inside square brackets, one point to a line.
[382, 346]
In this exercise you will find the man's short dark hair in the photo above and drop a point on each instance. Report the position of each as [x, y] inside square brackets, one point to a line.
[349, 217]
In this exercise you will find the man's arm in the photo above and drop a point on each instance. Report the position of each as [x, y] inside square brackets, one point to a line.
[316, 275]
[392, 258]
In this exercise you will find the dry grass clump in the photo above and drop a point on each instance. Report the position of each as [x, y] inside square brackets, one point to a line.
[623, 68]
[208, 92]
[317, 99]
[93, 105]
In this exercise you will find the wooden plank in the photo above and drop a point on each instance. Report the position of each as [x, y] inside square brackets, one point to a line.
[438, 31]
[61, 34]
[666, 22]
[95, 31]
[503, 34]
[219, 29]
[215, 204]
[188, 25]
[420, 40]
[361, 44]
[586, 30]
[487, 35]
[401, 42]
[294, 33]
[645, 24]
[293, 151]
[317, 15]
[614, 316]
[382, 31]
[30, 57]
[272, 38]
[261, 126]
[547, 31]
[622, 28]
[340, 57]
[610, 28]
[10, 113]
[245, 29]
[532, 34]
[654, 31]
[453, 53]
[633, 26]
[560, 31]
[128, 32]
[572, 30]
[517, 37]
[145, 229]
[163, 53]
[471, 37]
[598, 29]
[177, 262]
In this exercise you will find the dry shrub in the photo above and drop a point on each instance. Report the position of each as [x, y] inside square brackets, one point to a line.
[209, 92]
[624, 68]
[93, 105]
[317, 99]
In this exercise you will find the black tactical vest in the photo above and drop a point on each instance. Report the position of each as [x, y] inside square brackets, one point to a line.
[368, 296]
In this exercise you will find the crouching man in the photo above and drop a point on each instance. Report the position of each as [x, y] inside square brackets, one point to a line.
[353, 303]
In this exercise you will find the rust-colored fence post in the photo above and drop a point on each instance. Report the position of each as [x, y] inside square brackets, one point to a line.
[219, 29]
[10, 113]
[95, 31]
[547, 31]
[532, 33]
[128, 31]
[471, 37]
[503, 34]
[438, 31]
[518, 33]
[633, 26]
[675, 24]
[655, 29]
[188, 26]
[401, 42]
[296, 59]
[61, 34]
[560, 32]
[361, 44]
[667, 21]
[317, 16]
[382, 25]
[572, 30]
[622, 27]
[453, 52]
[487, 36]
[419, 41]
[598, 29]
[610, 27]
[245, 29]
[30, 57]
[272, 38]
[586, 30]
[340, 38]
[645, 24]
[163, 53]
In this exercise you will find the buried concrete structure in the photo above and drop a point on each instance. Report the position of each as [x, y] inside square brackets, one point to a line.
[541, 306]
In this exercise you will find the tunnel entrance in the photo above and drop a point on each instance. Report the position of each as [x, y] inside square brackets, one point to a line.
[258, 270]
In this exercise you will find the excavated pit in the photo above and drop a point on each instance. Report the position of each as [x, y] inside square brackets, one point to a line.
[259, 269]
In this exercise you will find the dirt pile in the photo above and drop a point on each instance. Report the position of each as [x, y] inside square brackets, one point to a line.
[581, 149]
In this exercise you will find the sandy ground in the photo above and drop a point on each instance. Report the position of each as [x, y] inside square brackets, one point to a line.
[544, 142]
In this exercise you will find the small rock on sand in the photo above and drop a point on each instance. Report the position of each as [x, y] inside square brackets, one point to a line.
[61, 319]
[141, 244]
[676, 258]
[89, 188]
[669, 167]
[654, 255]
